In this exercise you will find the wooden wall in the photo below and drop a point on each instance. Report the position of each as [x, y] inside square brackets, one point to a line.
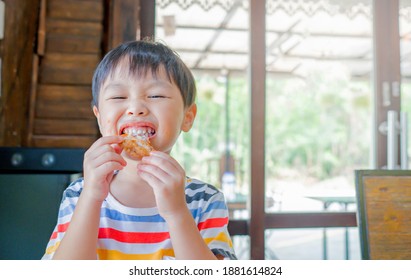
[69, 47]
[16, 51]
[50, 52]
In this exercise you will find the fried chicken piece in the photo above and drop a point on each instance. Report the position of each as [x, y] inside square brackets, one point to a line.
[136, 147]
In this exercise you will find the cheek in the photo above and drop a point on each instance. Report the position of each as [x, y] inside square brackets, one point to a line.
[108, 127]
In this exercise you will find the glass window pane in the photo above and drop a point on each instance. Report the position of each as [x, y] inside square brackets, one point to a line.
[405, 53]
[319, 103]
[312, 244]
[211, 37]
[319, 111]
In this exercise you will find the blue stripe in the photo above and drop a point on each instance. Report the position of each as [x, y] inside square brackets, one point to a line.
[198, 212]
[224, 253]
[67, 211]
[198, 197]
[118, 216]
[216, 205]
[79, 180]
[70, 193]
[195, 186]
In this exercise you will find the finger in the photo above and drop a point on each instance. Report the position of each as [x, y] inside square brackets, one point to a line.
[117, 148]
[108, 157]
[105, 140]
[166, 157]
[102, 154]
[101, 147]
[164, 161]
[153, 171]
[110, 167]
[151, 179]
[114, 139]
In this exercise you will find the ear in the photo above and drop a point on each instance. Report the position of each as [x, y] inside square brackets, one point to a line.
[190, 115]
[97, 114]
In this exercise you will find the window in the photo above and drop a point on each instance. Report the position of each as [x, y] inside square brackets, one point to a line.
[292, 98]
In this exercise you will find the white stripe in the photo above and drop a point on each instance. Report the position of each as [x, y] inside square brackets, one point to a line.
[216, 213]
[130, 226]
[115, 204]
[205, 189]
[64, 220]
[211, 232]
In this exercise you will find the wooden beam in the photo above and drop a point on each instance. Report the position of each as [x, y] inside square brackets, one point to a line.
[294, 220]
[123, 22]
[147, 19]
[278, 32]
[361, 58]
[16, 51]
[311, 220]
[257, 82]
[387, 72]
[238, 227]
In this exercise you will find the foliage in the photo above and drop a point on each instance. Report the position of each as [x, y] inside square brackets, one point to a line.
[319, 126]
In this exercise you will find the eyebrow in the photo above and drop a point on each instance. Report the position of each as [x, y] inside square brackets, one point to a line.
[114, 86]
[158, 82]
[148, 84]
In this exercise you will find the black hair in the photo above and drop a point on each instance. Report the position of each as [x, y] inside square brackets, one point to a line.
[146, 55]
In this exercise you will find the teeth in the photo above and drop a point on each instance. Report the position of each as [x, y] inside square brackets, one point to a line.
[142, 133]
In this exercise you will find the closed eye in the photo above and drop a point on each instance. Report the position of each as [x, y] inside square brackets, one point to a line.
[116, 98]
[157, 96]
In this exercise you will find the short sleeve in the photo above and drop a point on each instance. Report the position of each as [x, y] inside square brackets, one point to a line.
[66, 209]
[210, 211]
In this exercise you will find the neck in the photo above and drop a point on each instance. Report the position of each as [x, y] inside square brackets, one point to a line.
[130, 189]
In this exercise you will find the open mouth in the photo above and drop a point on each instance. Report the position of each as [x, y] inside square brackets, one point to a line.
[141, 132]
[136, 142]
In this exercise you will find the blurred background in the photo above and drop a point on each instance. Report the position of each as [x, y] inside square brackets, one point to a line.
[293, 97]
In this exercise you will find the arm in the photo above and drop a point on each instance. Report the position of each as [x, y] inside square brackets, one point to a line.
[167, 178]
[186, 239]
[80, 239]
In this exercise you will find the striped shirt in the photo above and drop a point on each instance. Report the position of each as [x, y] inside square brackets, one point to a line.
[141, 233]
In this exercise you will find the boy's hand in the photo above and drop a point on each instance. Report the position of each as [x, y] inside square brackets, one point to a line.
[100, 162]
[167, 178]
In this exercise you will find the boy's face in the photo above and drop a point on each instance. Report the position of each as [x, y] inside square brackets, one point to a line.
[153, 105]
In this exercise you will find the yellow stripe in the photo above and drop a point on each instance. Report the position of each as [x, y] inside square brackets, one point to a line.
[52, 249]
[117, 255]
[220, 237]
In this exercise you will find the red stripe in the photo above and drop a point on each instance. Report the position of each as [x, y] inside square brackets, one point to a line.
[60, 228]
[212, 223]
[143, 237]
[133, 237]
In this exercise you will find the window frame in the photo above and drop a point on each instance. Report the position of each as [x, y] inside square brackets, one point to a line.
[386, 70]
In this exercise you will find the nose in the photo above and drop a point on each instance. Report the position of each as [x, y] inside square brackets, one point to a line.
[137, 109]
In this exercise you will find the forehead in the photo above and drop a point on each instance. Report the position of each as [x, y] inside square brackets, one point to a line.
[122, 75]
[128, 69]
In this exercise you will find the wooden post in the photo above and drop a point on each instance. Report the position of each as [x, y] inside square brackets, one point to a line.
[257, 81]
[123, 22]
[16, 51]
[387, 74]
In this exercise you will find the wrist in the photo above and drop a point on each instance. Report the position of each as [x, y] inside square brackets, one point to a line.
[91, 198]
[181, 217]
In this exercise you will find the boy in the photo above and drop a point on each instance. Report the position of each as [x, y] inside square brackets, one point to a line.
[125, 208]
